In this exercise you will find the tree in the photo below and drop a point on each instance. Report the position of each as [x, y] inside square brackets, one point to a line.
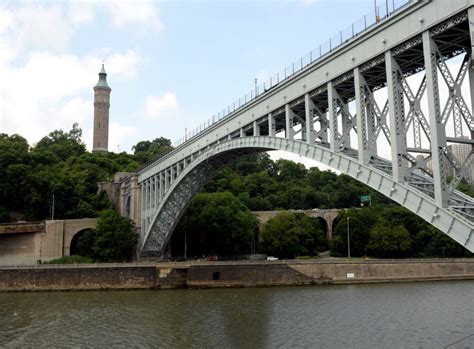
[361, 221]
[4, 215]
[217, 223]
[388, 241]
[63, 144]
[146, 150]
[291, 234]
[114, 238]
[434, 244]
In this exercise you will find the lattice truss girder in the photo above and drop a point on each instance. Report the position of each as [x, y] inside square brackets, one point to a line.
[348, 121]
[411, 120]
[320, 119]
[205, 167]
[373, 120]
[456, 109]
[179, 195]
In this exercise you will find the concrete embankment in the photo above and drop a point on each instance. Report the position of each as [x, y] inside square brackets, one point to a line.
[230, 274]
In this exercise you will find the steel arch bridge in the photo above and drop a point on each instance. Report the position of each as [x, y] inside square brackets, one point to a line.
[404, 84]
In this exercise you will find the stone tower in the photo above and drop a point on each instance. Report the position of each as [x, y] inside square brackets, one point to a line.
[101, 113]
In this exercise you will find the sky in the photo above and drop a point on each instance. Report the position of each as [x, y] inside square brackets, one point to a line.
[171, 64]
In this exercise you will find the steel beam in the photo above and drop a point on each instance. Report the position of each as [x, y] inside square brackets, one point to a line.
[309, 121]
[438, 132]
[334, 139]
[397, 118]
[289, 122]
[271, 125]
[471, 67]
[256, 129]
[361, 115]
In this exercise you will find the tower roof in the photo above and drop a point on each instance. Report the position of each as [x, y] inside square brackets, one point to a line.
[102, 79]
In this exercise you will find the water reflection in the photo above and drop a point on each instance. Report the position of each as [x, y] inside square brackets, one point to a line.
[362, 316]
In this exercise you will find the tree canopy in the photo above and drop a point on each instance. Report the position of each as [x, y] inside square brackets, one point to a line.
[217, 224]
[391, 232]
[291, 234]
[113, 239]
[60, 165]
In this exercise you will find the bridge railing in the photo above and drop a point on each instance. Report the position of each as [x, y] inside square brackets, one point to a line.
[380, 14]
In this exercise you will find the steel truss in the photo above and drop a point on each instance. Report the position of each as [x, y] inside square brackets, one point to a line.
[411, 120]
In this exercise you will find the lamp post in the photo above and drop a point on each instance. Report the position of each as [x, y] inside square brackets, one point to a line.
[185, 245]
[348, 239]
[256, 89]
[52, 210]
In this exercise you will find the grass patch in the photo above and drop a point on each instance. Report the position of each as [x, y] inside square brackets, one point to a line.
[71, 260]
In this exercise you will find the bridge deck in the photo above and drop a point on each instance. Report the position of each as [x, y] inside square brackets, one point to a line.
[21, 228]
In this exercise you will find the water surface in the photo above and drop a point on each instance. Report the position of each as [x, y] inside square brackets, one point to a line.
[411, 315]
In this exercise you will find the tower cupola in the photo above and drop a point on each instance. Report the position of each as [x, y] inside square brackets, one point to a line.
[102, 79]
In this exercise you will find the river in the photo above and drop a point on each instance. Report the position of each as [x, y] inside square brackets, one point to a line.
[410, 315]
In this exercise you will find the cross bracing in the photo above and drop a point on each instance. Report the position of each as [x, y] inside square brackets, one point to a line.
[385, 109]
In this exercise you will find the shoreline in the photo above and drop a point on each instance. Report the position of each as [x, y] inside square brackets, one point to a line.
[203, 274]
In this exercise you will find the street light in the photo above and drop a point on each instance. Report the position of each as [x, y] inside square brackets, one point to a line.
[348, 239]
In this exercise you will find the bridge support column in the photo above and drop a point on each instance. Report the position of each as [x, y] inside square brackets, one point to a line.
[438, 133]
[361, 114]
[160, 176]
[143, 211]
[471, 66]
[334, 140]
[256, 129]
[309, 113]
[397, 118]
[167, 180]
[346, 123]
[172, 175]
[289, 120]
[153, 191]
[271, 125]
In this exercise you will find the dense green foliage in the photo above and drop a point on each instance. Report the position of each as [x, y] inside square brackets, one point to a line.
[113, 239]
[218, 221]
[263, 184]
[59, 165]
[145, 151]
[391, 232]
[216, 224]
[71, 260]
[292, 234]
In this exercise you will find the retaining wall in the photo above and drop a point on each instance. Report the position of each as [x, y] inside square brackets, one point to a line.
[230, 274]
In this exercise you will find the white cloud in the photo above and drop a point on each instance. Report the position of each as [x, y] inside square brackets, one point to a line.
[143, 13]
[124, 65]
[44, 86]
[309, 2]
[119, 136]
[161, 107]
[52, 91]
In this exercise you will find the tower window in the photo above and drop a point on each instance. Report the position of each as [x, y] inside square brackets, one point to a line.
[99, 124]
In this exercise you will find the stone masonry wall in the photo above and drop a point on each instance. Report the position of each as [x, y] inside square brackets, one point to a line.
[230, 274]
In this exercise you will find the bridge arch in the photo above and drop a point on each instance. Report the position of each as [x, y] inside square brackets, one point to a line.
[206, 165]
[73, 228]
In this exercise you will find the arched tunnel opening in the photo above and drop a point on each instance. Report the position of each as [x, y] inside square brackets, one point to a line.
[324, 225]
[81, 243]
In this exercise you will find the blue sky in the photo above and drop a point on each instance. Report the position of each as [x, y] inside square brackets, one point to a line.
[171, 65]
